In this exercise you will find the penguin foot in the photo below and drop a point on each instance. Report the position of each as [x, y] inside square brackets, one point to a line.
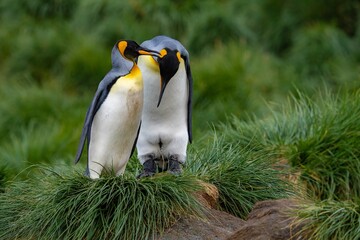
[174, 166]
[149, 169]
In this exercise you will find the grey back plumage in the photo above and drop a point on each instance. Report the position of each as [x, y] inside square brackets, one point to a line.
[120, 67]
[160, 42]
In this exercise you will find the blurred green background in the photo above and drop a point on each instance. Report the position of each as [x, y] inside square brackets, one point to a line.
[245, 56]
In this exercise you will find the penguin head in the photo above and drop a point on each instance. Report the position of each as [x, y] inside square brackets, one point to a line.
[131, 50]
[169, 65]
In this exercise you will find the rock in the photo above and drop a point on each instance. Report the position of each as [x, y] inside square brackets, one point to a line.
[269, 220]
[218, 225]
[215, 225]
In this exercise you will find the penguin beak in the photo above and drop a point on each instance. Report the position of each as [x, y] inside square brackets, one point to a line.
[144, 51]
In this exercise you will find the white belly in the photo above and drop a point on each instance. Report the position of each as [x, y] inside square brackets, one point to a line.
[171, 115]
[168, 122]
[115, 127]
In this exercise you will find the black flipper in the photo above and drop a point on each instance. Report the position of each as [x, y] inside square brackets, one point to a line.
[190, 89]
[134, 146]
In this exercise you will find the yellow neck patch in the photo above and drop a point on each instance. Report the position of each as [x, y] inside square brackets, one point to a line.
[130, 82]
[135, 72]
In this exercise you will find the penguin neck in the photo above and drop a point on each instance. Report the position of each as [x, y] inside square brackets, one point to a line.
[120, 63]
[149, 62]
[125, 68]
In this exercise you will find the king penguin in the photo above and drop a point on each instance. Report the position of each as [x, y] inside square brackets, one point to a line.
[166, 118]
[113, 119]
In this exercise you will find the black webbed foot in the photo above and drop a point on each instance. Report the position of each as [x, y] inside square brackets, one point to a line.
[149, 169]
[174, 166]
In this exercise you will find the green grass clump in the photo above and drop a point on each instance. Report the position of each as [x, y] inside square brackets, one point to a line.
[318, 137]
[71, 206]
[58, 205]
[242, 178]
[330, 220]
[327, 153]
[326, 146]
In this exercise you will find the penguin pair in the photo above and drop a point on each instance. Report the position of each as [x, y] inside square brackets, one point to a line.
[133, 93]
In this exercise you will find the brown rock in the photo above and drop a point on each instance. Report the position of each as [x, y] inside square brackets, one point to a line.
[218, 225]
[269, 220]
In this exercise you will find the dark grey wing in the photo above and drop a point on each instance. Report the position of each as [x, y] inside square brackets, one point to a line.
[99, 98]
[134, 146]
[190, 94]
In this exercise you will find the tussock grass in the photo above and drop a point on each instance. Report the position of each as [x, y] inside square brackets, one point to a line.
[327, 152]
[71, 206]
[326, 149]
[60, 205]
[330, 220]
[318, 137]
[242, 177]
